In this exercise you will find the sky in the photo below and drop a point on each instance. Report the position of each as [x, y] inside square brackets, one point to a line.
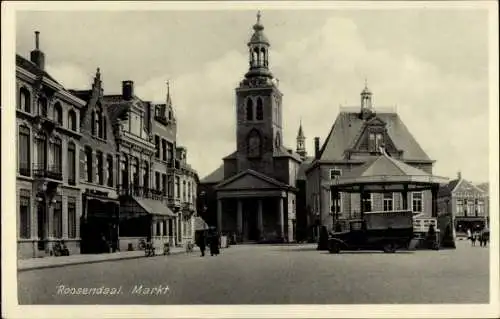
[431, 65]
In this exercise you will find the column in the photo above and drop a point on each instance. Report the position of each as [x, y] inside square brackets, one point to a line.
[219, 215]
[434, 192]
[281, 217]
[181, 227]
[153, 228]
[260, 223]
[361, 201]
[49, 222]
[239, 218]
[174, 231]
[404, 196]
[64, 216]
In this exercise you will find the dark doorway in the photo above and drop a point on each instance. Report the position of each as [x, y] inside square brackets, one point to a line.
[99, 228]
[250, 225]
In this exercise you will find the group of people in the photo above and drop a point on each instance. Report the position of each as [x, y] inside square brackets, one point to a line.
[210, 238]
[483, 237]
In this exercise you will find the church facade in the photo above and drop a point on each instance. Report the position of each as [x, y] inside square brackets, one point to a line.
[254, 191]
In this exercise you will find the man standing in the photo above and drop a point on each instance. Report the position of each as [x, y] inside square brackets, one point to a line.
[202, 242]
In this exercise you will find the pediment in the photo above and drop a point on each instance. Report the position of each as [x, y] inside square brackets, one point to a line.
[467, 187]
[249, 180]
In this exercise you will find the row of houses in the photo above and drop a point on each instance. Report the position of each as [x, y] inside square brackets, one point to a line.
[266, 191]
[97, 171]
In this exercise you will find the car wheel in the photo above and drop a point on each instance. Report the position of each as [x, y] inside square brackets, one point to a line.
[334, 248]
[389, 248]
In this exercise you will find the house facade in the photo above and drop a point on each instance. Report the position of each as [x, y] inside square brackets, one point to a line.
[355, 138]
[468, 203]
[48, 142]
[98, 177]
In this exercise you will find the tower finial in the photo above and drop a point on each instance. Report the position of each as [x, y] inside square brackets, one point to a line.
[366, 83]
[258, 16]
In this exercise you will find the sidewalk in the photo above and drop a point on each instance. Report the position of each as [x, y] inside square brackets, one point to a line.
[51, 262]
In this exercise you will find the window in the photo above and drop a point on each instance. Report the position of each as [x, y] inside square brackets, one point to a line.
[110, 171]
[366, 199]
[416, 201]
[71, 217]
[249, 109]
[93, 123]
[170, 186]
[480, 210]
[164, 184]
[189, 192]
[157, 181]
[163, 149]
[254, 144]
[135, 124]
[56, 155]
[41, 152]
[104, 128]
[42, 107]
[100, 168]
[335, 173]
[24, 151]
[465, 207]
[460, 207]
[170, 153]
[24, 213]
[124, 171]
[72, 120]
[388, 202]
[145, 175]
[88, 163]
[177, 187]
[58, 113]
[470, 208]
[157, 146]
[260, 111]
[71, 163]
[135, 172]
[57, 231]
[336, 202]
[24, 100]
[183, 191]
[375, 141]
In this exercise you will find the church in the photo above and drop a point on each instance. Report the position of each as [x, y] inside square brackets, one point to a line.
[253, 194]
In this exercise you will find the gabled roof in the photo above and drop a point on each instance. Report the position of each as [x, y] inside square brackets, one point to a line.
[447, 189]
[259, 176]
[348, 125]
[215, 177]
[484, 186]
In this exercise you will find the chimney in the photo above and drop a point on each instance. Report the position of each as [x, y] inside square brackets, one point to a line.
[37, 56]
[459, 175]
[316, 147]
[127, 90]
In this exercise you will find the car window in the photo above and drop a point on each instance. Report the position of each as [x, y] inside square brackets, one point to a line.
[356, 225]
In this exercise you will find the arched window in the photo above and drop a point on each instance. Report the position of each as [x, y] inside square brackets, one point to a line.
[104, 128]
[260, 111]
[24, 100]
[72, 120]
[56, 155]
[277, 141]
[264, 56]
[58, 113]
[42, 107]
[145, 175]
[110, 170]
[24, 151]
[88, 164]
[255, 54]
[249, 110]
[254, 145]
[92, 124]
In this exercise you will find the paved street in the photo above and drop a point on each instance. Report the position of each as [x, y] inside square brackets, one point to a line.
[273, 275]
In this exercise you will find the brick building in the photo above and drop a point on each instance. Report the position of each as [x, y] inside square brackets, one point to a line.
[98, 173]
[48, 142]
[254, 192]
[354, 140]
[468, 203]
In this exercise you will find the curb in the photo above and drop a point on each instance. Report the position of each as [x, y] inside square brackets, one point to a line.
[92, 262]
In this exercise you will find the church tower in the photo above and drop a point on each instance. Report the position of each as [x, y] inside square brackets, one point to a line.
[301, 143]
[258, 108]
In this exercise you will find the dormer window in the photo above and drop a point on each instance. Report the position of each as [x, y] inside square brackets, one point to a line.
[335, 173]
[376, 140]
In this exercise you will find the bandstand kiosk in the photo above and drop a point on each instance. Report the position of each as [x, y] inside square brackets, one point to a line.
[385, 174]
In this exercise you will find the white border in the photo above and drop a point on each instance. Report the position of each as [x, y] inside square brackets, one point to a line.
[9, 283]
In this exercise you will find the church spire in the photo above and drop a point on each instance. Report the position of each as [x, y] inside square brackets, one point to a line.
[169, 99]
[301, 142]
[258, 47]
[366, 97]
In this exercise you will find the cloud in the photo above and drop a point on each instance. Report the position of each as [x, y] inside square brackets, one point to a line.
[69, 75]
[445, 108]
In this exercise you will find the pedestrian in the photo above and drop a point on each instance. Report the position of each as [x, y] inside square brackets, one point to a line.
[469, 234]
[202, 242]
[214, 243]
[473, 238]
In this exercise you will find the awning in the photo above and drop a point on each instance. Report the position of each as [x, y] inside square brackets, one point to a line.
[154, 207]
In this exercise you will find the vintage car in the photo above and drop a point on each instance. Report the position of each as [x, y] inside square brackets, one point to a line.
[385, 231]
